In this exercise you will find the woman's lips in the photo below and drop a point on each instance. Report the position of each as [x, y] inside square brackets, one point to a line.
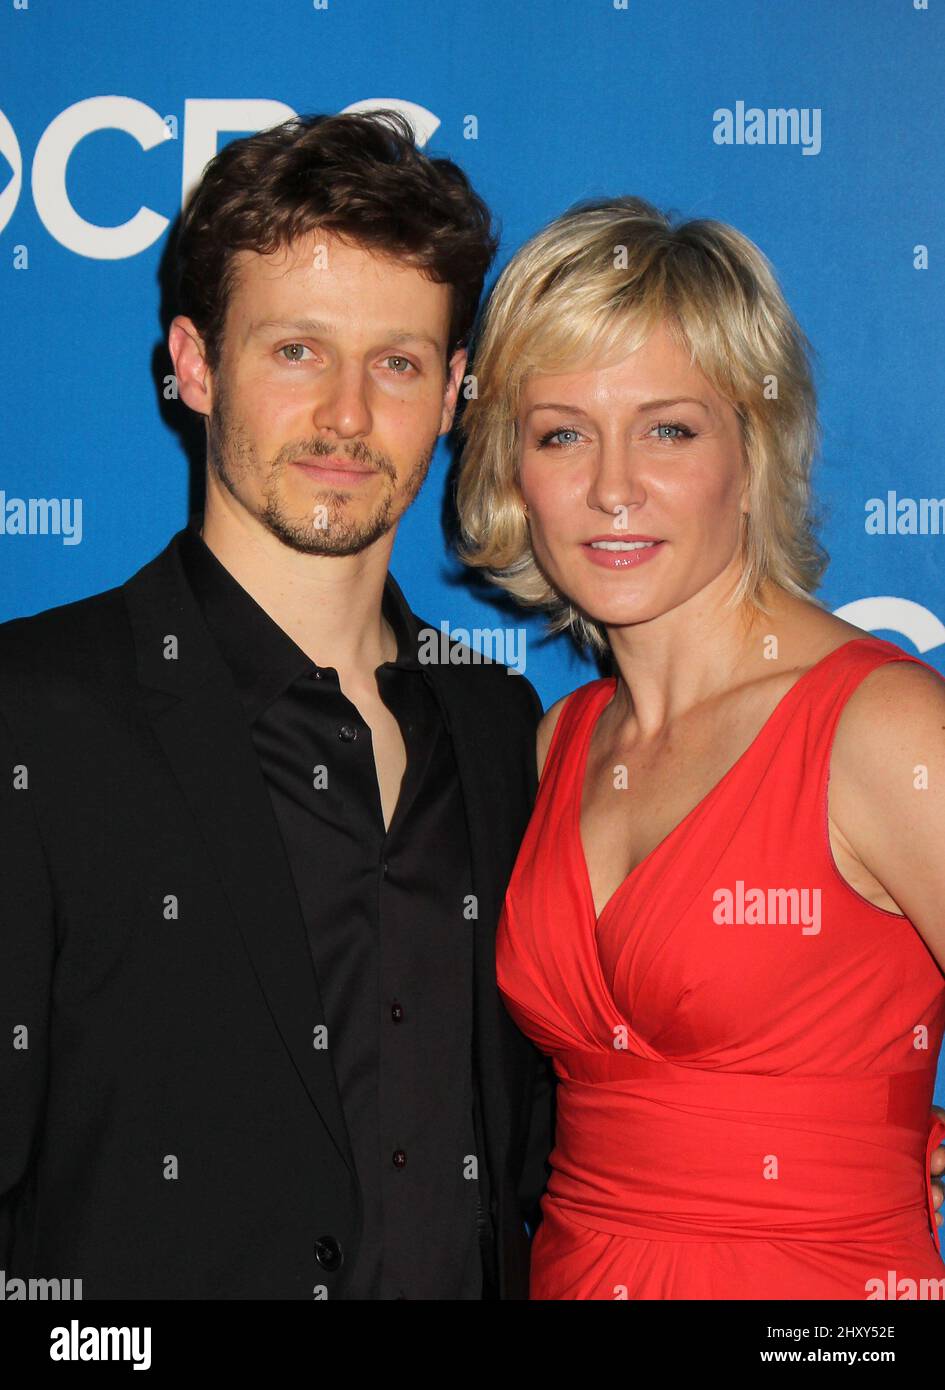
[621, 554]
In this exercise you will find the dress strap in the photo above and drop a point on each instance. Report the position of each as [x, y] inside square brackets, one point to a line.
[579, 706]
[851, 664]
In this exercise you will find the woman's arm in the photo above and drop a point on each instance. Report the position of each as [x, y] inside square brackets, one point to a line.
[887, 797]
[887, 790]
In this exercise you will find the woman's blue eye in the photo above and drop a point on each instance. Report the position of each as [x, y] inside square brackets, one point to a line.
[546, 439]
[553, 438]
[684, 431]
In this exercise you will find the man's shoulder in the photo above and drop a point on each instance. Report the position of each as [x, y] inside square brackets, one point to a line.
[62, 626]
[83, 643]
[86, 632]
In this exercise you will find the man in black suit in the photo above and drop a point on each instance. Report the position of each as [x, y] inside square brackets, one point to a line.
[254, 844]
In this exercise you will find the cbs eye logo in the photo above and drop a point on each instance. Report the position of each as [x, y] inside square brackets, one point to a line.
[889, 613]
[196, 135]
[10, 158]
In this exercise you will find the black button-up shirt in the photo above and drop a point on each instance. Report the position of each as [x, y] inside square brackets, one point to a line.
[390, 916]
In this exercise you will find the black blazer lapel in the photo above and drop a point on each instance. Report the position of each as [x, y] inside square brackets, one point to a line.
[197, 717]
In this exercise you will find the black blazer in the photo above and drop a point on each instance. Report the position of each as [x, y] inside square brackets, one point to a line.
[167, 1128]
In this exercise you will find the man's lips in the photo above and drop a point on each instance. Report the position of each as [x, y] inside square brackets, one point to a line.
[331, 468]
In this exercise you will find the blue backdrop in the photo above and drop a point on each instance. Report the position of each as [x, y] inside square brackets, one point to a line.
[109, 111]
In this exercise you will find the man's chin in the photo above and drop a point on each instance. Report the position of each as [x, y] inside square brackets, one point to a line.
[339, 536]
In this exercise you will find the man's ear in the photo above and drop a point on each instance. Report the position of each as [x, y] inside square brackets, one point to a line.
[188, 353]
[456, 371]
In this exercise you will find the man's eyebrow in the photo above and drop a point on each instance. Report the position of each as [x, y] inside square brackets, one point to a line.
[660, 404]
[317, 328]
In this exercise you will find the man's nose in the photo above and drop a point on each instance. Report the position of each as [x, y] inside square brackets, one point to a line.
[342, 404]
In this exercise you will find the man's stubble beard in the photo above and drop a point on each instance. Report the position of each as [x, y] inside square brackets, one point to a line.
[234, 460]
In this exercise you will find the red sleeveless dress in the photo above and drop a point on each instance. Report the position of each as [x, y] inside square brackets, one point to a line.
[745, 1047]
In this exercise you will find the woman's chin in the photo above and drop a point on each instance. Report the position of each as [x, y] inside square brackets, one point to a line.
[610, 614]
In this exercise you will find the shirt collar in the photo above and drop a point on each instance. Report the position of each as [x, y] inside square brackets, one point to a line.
[262, 658]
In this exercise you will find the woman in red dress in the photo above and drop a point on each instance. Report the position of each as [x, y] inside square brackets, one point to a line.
[725, 924]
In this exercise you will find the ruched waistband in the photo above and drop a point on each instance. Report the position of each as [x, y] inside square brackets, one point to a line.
[654, 1149]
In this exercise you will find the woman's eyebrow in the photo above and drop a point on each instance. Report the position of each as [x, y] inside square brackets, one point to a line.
[643, 405]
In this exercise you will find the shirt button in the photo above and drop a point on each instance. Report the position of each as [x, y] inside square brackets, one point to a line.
[328, 1252]
[384, 868]
[397, 1012]
[399, 1158]
[316, 675]
[347, 733]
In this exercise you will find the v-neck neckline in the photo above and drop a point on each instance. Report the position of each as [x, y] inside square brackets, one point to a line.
[584, 753]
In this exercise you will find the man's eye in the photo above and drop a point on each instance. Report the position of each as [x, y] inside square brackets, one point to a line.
[402, 369]
[295, 348]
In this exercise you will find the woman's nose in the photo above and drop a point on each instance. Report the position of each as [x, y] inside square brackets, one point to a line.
[616, 483]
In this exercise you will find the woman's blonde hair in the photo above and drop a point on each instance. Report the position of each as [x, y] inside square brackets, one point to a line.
[590, 287]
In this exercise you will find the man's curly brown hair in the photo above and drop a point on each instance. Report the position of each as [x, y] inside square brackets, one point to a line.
[356, 175]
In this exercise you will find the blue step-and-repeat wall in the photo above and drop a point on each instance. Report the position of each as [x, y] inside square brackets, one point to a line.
[109, 110]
